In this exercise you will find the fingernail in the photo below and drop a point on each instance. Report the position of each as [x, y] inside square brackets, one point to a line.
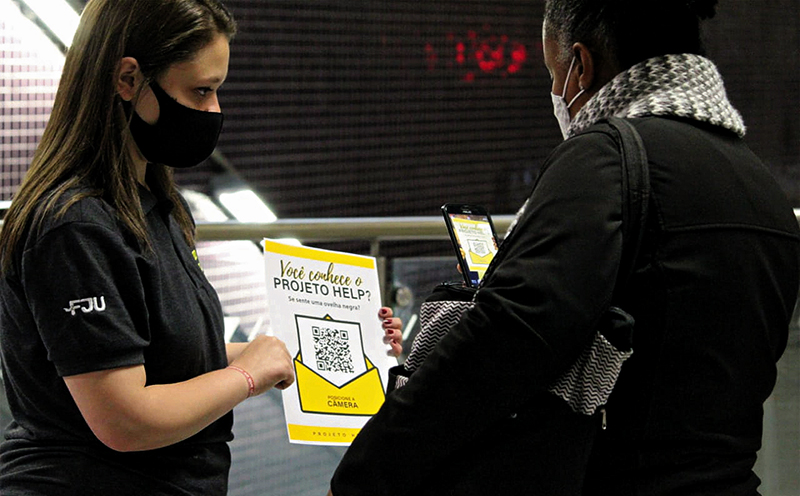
[387, 322]
[384, 311]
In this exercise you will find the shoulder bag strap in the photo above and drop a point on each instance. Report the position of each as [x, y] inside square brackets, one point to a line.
[635, 194]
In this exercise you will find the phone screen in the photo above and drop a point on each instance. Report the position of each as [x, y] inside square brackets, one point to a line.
[473, 236]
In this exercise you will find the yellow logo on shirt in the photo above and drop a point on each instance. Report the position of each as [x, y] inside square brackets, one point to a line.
[196, 258]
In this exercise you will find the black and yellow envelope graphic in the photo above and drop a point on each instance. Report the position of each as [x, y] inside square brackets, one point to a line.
[479, 252]
[355, 391]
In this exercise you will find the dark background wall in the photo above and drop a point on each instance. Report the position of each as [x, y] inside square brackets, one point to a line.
[364, 108]
[757, 48]
[375, 107]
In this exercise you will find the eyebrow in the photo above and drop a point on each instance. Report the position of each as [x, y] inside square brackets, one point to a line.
[212, 80]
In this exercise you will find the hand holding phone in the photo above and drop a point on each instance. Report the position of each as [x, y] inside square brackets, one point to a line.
[474, 239]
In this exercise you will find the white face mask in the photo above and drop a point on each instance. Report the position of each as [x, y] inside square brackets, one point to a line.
[560, 105]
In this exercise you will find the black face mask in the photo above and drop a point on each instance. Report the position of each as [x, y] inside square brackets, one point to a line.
[182, 136]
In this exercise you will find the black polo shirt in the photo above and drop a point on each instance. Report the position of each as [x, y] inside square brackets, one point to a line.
[82, 296]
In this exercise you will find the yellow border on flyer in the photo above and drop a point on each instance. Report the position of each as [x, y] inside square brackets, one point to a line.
[309, 433]
[467, 221]
[319, 255]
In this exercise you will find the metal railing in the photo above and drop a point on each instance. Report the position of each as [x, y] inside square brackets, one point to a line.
[372, 229]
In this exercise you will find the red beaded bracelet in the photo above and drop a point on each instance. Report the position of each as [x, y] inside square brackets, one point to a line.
[251, 384]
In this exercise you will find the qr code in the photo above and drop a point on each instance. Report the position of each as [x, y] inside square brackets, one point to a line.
[332, 350]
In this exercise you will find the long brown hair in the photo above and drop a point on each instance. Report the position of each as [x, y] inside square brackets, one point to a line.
[85, 141]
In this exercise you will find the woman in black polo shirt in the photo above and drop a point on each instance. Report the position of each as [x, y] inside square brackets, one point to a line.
[115, 366]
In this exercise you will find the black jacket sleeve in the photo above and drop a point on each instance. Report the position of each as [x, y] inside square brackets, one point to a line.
[537, 309]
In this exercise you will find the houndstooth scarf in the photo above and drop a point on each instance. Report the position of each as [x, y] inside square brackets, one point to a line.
[680, 85]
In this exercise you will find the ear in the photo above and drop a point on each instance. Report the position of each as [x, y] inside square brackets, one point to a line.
[584, 65]
[129, 79]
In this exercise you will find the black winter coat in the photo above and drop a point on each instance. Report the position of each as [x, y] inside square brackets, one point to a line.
[712, 293]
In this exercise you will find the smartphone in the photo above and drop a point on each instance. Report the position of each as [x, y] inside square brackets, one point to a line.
[474, 239]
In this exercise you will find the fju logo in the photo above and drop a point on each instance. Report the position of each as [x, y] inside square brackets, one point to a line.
[86, 305]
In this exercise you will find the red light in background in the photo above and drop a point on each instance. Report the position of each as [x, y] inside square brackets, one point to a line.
[430, 56]
[480, 54]
[460, 57]
[518, 56]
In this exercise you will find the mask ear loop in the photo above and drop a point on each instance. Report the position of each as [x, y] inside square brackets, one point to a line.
[581, 92]
[566, 82]
[129, 108]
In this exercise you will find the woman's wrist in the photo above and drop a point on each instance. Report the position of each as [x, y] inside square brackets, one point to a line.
[251, 383]
[233, 350]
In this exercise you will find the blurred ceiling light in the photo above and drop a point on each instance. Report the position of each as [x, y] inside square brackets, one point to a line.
[20, 28]
[290, 241]
[203, 208]
[246, 206]
[58, 15]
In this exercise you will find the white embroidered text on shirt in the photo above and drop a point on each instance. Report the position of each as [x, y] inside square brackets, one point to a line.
[86, 305]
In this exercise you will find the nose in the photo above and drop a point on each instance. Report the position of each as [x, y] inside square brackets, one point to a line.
[213, 105]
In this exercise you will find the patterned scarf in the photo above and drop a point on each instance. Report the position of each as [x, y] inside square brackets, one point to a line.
[681, 85]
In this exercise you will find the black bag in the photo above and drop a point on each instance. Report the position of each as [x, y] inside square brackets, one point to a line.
[587, 385]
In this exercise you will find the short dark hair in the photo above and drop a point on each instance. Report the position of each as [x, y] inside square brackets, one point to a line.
[628, 30]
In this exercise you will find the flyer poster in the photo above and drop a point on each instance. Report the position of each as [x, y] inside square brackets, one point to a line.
[324, 306]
